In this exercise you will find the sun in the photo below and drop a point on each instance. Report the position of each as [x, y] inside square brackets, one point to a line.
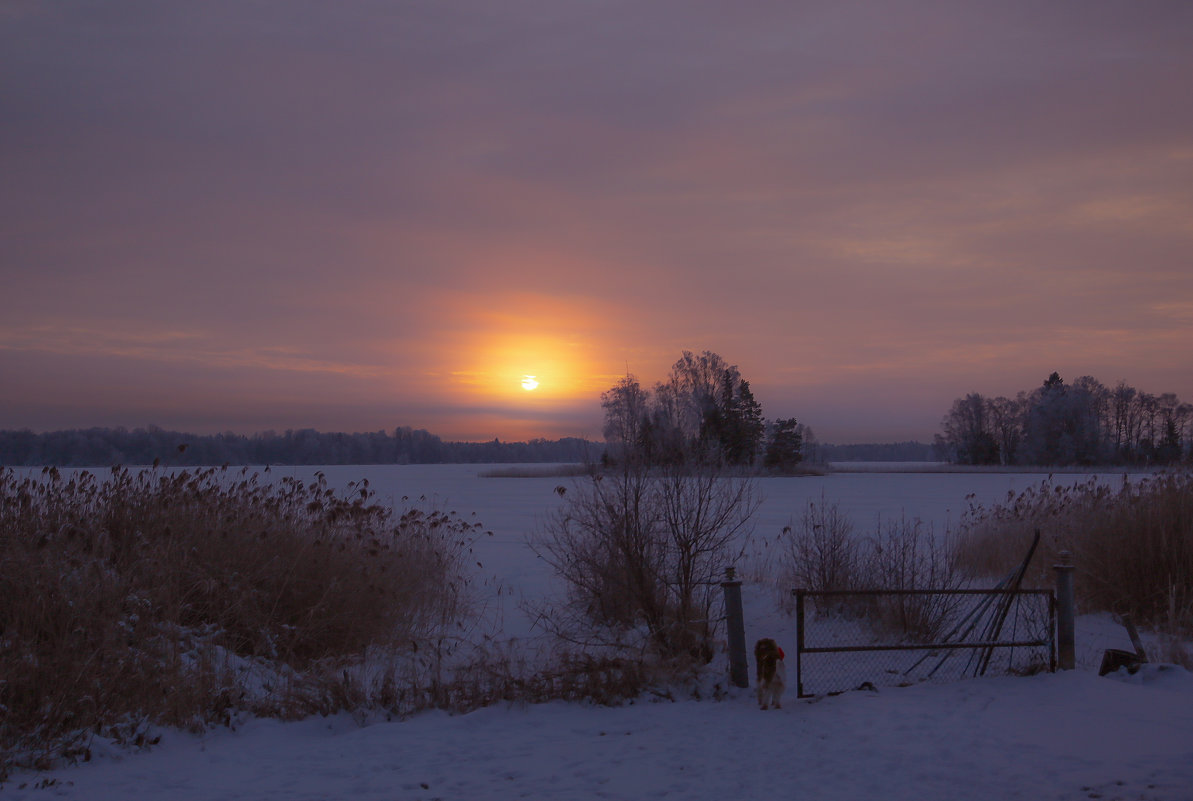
[529, 383]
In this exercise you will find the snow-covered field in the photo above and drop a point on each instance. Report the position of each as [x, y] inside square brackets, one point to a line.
[1064, 736]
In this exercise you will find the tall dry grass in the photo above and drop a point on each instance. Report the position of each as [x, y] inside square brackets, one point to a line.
[142, 596]
[822, 551]
[1132, 545]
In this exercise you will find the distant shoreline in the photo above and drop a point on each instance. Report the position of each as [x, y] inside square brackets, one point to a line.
[575, 469]
[947, 467]
[563, 470]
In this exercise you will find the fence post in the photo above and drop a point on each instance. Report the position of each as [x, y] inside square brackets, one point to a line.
[1065, 639]
[739, 670]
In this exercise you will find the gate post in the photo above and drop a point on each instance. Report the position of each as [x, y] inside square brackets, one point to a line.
[739, 670]
[1066, 657]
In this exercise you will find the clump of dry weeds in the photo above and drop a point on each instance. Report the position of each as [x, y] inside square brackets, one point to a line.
[140, 598]
[821, 551]
[1132, 546]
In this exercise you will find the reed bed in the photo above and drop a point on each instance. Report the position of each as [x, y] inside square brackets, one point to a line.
[1132, 545]
[178, 597]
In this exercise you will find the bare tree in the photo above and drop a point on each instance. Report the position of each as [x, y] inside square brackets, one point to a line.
[705, 518]
[1081, 423]
[1006, 417]
[696, 386]
[703, 411]
[627, 409]
[1122, 403]
[640, 551]
[967, 430]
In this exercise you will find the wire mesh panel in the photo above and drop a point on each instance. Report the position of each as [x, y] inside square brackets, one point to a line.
[862, 639]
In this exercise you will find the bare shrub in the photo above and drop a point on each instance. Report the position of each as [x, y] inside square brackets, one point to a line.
[132, 598]
[1133, 548]
[904, 555]
[821, 551]
[639, 553]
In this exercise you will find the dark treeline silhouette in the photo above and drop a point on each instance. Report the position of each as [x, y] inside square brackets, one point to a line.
[1083, 423]
[703, 413]
[94, 447]
[911, 451]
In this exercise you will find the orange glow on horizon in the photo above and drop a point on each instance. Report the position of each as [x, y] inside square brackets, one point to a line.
[529, 350]
[561, 369]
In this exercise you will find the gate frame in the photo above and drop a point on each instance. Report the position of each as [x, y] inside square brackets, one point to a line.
[801, 648]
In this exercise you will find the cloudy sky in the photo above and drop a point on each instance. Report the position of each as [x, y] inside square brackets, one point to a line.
[271, 214]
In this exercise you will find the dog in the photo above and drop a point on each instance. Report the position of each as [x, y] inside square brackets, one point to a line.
[772, 673]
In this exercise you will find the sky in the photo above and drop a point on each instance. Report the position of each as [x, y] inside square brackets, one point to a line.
[271, 214]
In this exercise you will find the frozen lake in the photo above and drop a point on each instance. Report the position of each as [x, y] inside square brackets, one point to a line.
[514, 508]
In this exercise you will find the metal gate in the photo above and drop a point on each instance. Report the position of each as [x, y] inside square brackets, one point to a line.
[865, 639]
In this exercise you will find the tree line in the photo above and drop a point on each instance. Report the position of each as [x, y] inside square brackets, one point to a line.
[1083, 423]
[704, 411]
[143, 446]
[908, 451]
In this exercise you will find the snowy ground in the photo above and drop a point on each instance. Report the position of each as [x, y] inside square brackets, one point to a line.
[1064, 736]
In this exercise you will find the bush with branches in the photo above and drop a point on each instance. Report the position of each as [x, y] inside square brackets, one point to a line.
[640, 551]
[822, 552]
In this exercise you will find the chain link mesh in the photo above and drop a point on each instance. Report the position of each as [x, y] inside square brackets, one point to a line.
[870, 639]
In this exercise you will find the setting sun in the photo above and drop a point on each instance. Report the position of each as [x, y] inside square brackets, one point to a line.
[529, 383]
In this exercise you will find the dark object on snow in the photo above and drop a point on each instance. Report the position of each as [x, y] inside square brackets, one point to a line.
[1113, 659]
[1133, 633]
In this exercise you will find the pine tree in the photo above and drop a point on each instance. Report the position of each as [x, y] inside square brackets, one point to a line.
[784, 448]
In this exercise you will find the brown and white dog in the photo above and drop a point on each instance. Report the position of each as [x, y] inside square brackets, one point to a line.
[772, 673]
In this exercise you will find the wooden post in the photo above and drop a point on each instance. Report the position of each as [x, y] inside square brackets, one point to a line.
[799, 642]
[739, 669]
[1066, 651]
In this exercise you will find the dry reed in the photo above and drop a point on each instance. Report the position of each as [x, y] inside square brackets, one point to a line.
[143, 597]
[1132, 546]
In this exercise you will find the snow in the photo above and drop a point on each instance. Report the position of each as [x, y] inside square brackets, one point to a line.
[1071, 735]
[1063, 736]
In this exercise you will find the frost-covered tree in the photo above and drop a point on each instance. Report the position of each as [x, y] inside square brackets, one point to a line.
[704, 411]
[1062, 426]
[1082, 423]
[627, 410]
